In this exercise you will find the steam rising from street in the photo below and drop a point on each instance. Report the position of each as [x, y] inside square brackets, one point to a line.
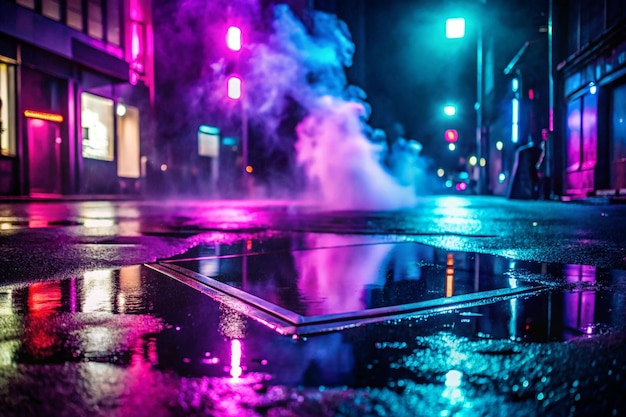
[295, 76]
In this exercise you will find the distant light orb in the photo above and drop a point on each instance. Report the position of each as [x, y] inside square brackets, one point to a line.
[455, 27]
[121, 110]
[514, 85]
[440, 172]
[472, 161]
[483, 162]
[233, 38]
[593, 88]
[501, 177]
[163, 167]
[453, 378]
[451, 146]
[449, 110]
[249, 169]
[499, 145]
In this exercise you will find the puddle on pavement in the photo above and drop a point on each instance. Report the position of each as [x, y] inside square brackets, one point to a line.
[141, 320]
[314, 283]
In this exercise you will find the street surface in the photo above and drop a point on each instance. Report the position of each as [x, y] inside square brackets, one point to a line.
[461, 306]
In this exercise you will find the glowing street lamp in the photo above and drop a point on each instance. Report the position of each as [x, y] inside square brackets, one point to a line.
[234, 87]
[449, 110]
[233, 38]
[455, 27]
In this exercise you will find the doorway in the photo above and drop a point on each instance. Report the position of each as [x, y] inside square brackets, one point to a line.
[44, 161]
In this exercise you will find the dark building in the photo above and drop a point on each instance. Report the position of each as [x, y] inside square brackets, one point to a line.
[589, 149]
[76, 94]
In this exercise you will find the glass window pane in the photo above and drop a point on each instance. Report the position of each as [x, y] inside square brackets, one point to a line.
[94, 19]
[97, 127]
[128, 142]
[573, 135]
[590, 130]
[114, 22]
[51, 9]
[75, 14]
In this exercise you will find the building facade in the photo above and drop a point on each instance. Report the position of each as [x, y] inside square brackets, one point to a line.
[590, 97]
[76, 96]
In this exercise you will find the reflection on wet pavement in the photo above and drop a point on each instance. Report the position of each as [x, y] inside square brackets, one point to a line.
[135, 335]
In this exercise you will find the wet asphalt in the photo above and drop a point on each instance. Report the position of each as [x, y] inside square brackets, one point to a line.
[461, 306]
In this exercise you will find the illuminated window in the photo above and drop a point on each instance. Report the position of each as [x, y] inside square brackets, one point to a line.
[74, 14]
[51, 9]
[208, 141]
[97, 127]
[7, 110]
[128, 142]
[94, 19]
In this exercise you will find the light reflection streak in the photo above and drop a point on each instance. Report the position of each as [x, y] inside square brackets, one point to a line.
[452, 392]
[235, 358]
[94, 223]
[513, 318]
[97, 291]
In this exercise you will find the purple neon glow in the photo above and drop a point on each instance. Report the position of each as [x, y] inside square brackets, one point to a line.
[233, 38]
[235, 358]
[234, 87]
[293, 66]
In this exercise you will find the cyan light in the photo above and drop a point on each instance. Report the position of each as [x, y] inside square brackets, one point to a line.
[515, 85]
[455, 27]
[515, 121]
[449, 110]
[209, 130]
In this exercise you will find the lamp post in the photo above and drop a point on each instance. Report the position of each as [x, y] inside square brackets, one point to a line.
[234, 41]
[455, 29]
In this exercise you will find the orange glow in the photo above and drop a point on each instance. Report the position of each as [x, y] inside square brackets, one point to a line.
[51, 117]
[450, 275]
[249, 245]
[449, 285]
[249, 169]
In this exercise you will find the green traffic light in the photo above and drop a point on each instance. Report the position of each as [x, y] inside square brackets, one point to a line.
[455, 27]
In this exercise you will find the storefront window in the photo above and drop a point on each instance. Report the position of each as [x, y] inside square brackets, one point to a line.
[573, 135]
[7, 110]
[590, 131]
[97, 127]
[128, 142]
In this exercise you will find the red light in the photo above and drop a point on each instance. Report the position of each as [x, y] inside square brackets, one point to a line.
[531, 94]
[451, 135]
[234, 87]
